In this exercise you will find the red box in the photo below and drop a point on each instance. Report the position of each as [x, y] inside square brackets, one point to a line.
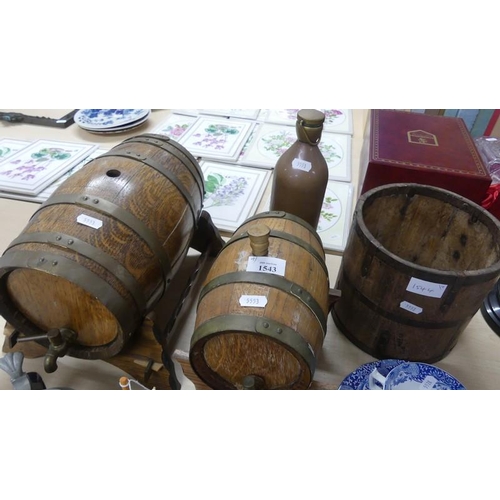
[439, 151]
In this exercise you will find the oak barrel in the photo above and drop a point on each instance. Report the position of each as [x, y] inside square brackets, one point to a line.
[235, 346]
[417, 266]
[98, 255]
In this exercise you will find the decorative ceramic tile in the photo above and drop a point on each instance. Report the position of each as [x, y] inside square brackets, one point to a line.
[336, 215]
[336, 120]
[35, 167]
[175, 126]
[217, 138]
[233, 193]
[8, 147]
[251, 114]
[49, 191]
[187, 112]
[270, 141]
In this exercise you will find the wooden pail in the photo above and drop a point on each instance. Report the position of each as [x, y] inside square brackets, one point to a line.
[101, 251]
[274, 345]
[417, 266]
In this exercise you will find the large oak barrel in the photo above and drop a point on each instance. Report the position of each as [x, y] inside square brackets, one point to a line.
[270, 347]
[417, 266]
[101, 251]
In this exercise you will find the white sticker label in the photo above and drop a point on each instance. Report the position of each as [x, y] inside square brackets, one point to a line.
[427, 288]
[86, 220]
[428, 383]
[253, 301]
[269, 265]
[299, 164]
[410, 307]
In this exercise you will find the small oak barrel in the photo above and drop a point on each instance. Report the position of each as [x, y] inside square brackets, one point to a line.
[100, 252]
[416, 268]
[238, 346]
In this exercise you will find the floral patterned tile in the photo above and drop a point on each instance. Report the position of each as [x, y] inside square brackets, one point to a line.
[270, 141]
[336, 120]
[336, 216]
[49, 191]
[33, 168]
[251, 114]
[8, 147]
[175, 126]
[217, 138]
[233, 192]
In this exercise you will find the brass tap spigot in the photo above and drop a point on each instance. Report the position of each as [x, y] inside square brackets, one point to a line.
[60, 340]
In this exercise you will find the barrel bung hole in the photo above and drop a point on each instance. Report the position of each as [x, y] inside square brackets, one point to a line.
[113, 173]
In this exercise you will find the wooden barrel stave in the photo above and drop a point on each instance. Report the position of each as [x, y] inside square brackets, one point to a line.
[148, 224]
[243, 341]
[401, 232]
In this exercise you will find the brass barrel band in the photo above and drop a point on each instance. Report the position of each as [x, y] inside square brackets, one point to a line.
[292, 239]
[273, 281]
[163, 171]
[175, 150]
[92, 253]
[70, 271]
[279, 214]
[114, 211]
[253, 324]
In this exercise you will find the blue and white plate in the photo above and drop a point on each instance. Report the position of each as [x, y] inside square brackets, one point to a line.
[122, 128]
[102, 119]
[402, 375]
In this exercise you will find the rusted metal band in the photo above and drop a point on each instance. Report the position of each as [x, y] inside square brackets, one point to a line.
[278, 214]
[175, 149]
[163, 171]
[110, 209]
[71, 271]
[394, 317]
[92, 253]
[381, 253]
[255, 325]
[292, 239]
[273, 281]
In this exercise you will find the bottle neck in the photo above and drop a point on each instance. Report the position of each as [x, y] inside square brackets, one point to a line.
[309, 135]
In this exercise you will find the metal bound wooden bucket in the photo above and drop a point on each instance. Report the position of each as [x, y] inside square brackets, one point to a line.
[417, 266]
[275, 346]
[100, 252]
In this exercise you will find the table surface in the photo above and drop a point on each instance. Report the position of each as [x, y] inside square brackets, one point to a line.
[475, 360]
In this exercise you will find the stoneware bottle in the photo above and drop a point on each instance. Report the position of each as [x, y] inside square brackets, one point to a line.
[301, 173]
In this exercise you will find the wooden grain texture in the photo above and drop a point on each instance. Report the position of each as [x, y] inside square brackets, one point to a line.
[56, 297]
[225, 357]
[407, 231]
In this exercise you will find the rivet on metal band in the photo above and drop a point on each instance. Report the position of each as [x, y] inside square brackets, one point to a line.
[123, 216]
[92, 253]
[273, 281]
[253, 324]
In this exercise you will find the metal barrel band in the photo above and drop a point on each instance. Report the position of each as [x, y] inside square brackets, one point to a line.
[375, 250]
[71, 271]
[394, 261]
[175, 149]
[163, 171]
[278, 214]
[273, 281]
[292, 239]
[92, 253]
[393, 317]
[252, 325]
[114, 211]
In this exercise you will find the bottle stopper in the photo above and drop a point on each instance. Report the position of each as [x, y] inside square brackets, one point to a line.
[259, 239]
